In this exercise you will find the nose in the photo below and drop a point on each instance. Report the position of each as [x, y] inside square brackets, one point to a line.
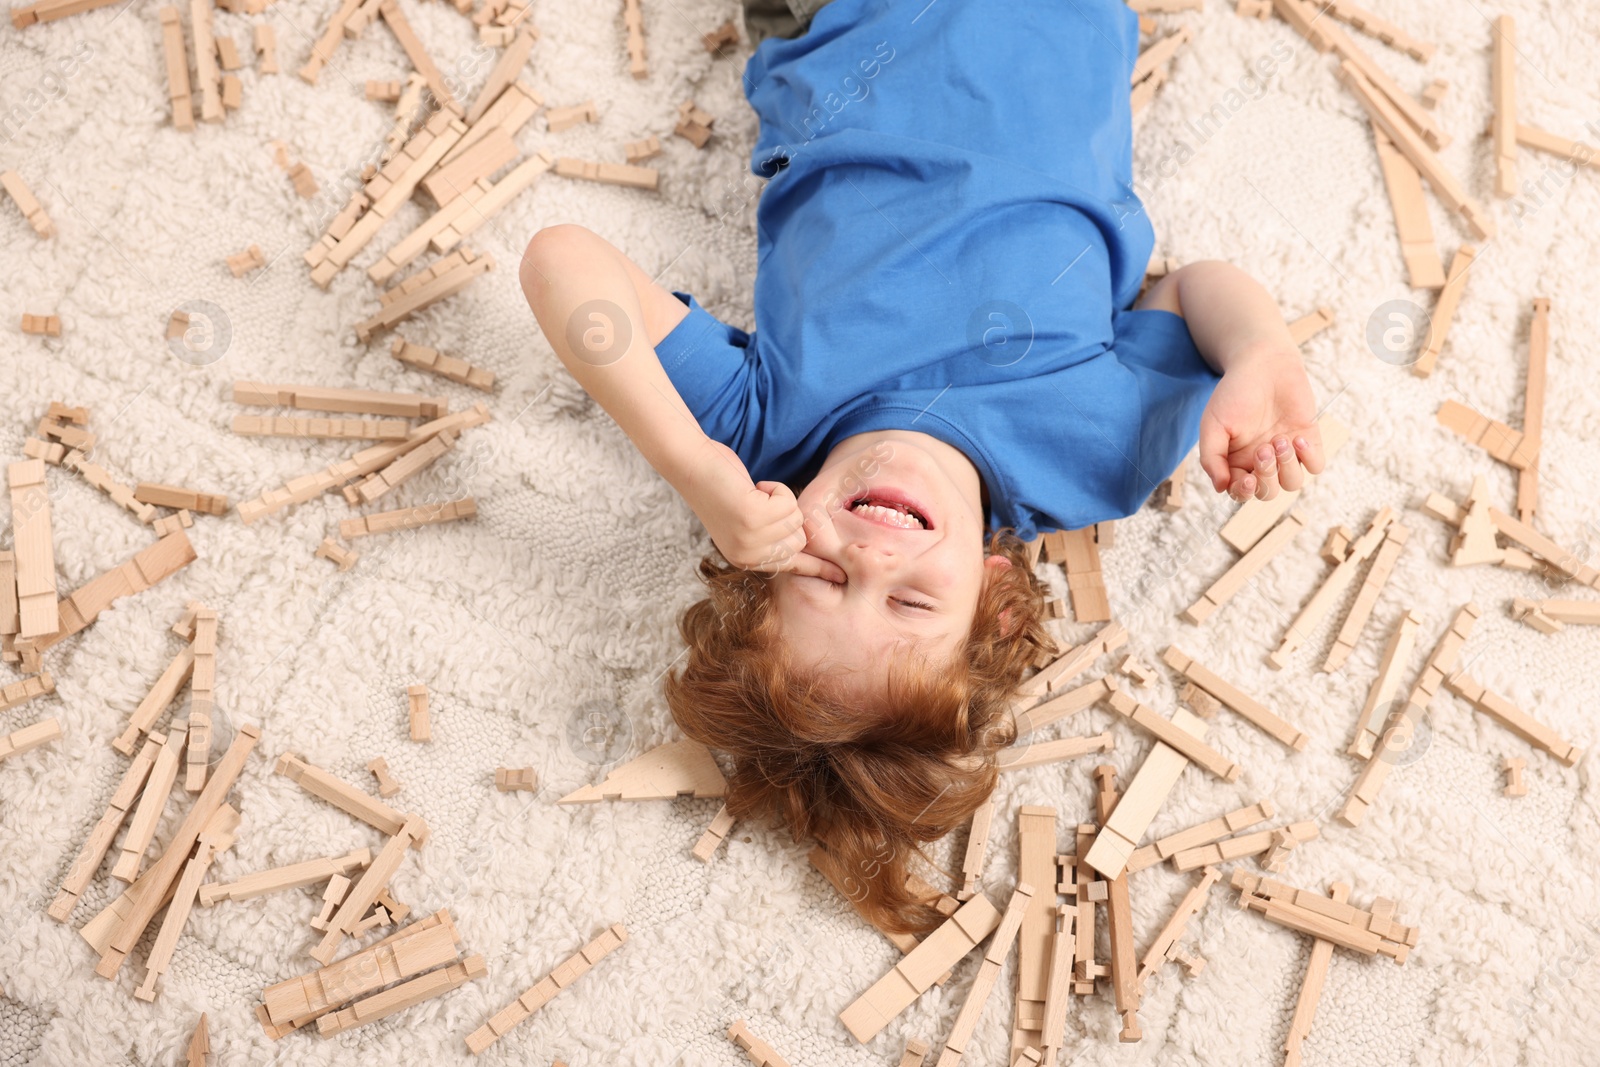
[863, 559]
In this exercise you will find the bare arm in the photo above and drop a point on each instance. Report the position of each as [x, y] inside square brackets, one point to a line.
[603, 316]
[1259, 430]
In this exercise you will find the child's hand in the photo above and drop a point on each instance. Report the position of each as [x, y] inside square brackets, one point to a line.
[756, 526]
[1259, 431]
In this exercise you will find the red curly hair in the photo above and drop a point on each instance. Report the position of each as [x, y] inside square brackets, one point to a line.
[870, 784]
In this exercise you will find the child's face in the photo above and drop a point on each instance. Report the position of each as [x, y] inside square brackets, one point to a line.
[913, 562]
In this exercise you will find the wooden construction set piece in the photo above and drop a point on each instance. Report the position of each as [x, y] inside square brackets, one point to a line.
[421, 727]
[714, 835]
[22, 196]
[279, 879]
[1164, 946]
[760, 1053]
[541, 993]
[1372, 933]
[1333, 588]
[1122, 828]
[1036, 866]
[430, 360]
[1072, 663]
[1119, 917]
[217, 835]
[694, 124]
[349, 401]
[365, 892]
[1247, 567]
[1255, 843]
[510, 780]
[633, 24]
[354, 802]
[337, 554]
[41, 325]
[988, 974]
[1165, 730]
[1231, 696]
[1198, 836]
[675, 769]
[408, 518]
[444, 278]
[608, 173]
[334, 429]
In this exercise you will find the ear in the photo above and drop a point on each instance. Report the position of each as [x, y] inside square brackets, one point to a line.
[993, 567]
[996, 563]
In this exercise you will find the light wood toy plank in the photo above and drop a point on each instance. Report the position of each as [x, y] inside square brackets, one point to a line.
[387, 785]
[1059, 987]
[27, 203]
[1383, 30]
[265, 40]
[1074, 662]
[633, 23]
[35, 550]
[93, 853]
[365, 892]
[417, 700]
[217, 835]
[977, 845]
[1245, 568]
[1444, 310]
[427, 943]
[1533, 408]
[988, 974]
[1567, 563]
[198, 1052]
[408, 518]
[1165, 730]
[347, 798]
[758, 1051]
[892, 994]
[1204, 834]
[1583, 612]
[1333, 587]
[1504, 443]
[540, 994]
[1575, 152]
[405, 995]
[916, 1051]
[1036, 866]
[20, 692]
[148, 566]
[157, 700]
[207, 77]
[714, 835]
[102, 480]
[177, 63]
[334, 429]
[559, 119]
[502, 75]
[1036, 753]
[608, 173]
[165, 871]
[1414, 227]
[360, 465]
[1305, 1008]
[1141, 801]
[675, 769]
[1232, 848]
[1162, 946]
[1355, 622]
[1444, 184]
[636, 152]
[1503, 89]
[322, 51]
[1085, 968]
[1396, 654]
[1080, 559]
[1314, 914]
[1231, 696]
[418, 55]
[279, 879]
[1513, 718]
[346, 401]
[1159, 53]
[1401, 724]
[432, 361]
[142, 828]
[1252, 521]
[1308, 326]
[1119, 920]
[445, 285]
[172, 496]
[487, 155]
[9, 618]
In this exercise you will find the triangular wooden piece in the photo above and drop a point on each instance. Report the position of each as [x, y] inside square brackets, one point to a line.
[200, 1044]
[675, 769]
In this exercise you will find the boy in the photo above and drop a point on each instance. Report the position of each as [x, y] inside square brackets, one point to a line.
[945, 350]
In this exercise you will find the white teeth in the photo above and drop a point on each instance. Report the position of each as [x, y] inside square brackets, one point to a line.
[889, 515]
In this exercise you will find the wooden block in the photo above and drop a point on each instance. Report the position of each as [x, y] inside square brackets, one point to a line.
[1162, 946]
[1396, 654]
[558, 119]
[916, 1052]
[291, 876]
[694, 124]
[1119, 920]
[88, 860]
[1080, 557]
[142, 830]
[607, 173]
[305, 183]
[501, 76]
[421, 729]
[1367, 597]
[1148, 789]
[386, 91]
[336, 553]
[179, 520]
[228, 53]
[387, 786]
[29, 738]
[1255, 9]
[723, 37]
[165, 872]
[1424, 268]
[1533, 405]
[156, 701]
[760, 1053]
[207, 77]
[418, 55]
[401, 470]
[1074, 662]
[1199, 836]
[27, 203]
[677, 768]
[1165, 730]
[1501, 441]
[1231, 696]
[1577, 153]
[1305, 1009]
[429, 359]
[198, 1052]
[1503, 88]
[512, 109]
[42, 325]
[34, 549]
[1332, 589]
[988, 974]
[1513, 718]
[1475, 542]
[172, 496]
[405, 995]
[1444, 311]
[639, 151]
[977, 845]
[1241, 845]
[217, 834]
[1566, 563]
[508, 780]
[1036, 865]
[408, 518]
[322, 398]
[348, 799]
[445, 285]
[1434, 93]
[713, 836]
[177, 64]
[1033, 754]
[1068, 703]
[1251, 522]
[365, 892]
[266, 46]
[1247, 567]
[334, 429]
[633, 23]
[538, 995]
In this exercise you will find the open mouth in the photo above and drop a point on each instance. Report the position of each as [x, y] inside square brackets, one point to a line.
[890, 512]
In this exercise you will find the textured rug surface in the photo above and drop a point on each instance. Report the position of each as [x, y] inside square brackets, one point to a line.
[543, 627]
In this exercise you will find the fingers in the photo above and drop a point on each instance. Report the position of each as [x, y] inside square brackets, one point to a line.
[814, 567]
[1241, 484]
[1291, 476]
[1214, 454]
[1266, 472]
[1308, 446]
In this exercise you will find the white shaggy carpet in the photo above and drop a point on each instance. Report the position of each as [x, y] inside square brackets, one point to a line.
[553, 612]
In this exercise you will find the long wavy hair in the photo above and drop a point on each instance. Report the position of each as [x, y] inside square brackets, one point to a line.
[871, 784]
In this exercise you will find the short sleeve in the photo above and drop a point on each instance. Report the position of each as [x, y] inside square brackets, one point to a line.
[1175, 384]
[709, 363]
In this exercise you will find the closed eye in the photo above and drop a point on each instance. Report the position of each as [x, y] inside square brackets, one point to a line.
[912, 604]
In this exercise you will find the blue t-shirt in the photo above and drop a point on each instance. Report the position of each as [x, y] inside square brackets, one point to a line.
[948, 242]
